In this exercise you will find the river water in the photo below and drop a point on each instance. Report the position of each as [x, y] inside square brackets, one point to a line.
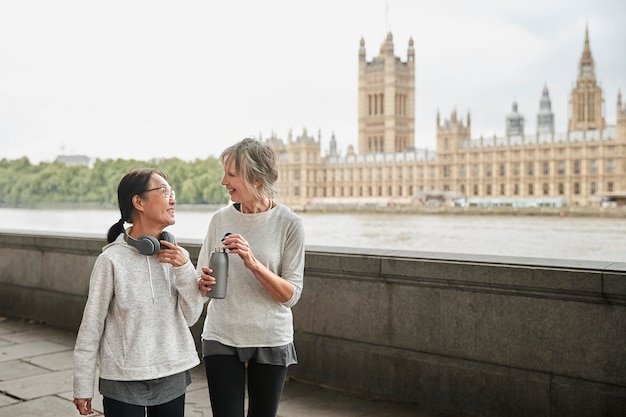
[578, 238]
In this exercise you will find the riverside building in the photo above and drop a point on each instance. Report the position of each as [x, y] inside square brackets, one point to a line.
[584, 166]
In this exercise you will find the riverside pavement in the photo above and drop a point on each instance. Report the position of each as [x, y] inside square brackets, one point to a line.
[36, 381]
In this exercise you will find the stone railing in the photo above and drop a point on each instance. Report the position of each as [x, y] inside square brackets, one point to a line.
[460, 334]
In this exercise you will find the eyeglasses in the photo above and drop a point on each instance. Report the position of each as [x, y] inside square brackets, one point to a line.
[165, 189]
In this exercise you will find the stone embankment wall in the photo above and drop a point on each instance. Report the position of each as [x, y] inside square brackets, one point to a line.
[459, 334]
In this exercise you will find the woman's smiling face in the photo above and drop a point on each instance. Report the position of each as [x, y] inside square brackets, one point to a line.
[159, 208]
[235, 184]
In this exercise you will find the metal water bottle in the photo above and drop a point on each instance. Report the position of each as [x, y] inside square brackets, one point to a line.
[218, 262]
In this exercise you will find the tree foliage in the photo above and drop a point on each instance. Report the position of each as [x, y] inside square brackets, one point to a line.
[23, 184]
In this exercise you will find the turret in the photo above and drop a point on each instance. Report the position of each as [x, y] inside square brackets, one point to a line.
[451, 133]
[332, 147]
[514, 122]
[362, 51]
[410, 54]
[545, 116]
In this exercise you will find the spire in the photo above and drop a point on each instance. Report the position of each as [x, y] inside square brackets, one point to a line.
[545, 116]
[545, 103]
[387, 24]
[332, 148]
[586, 66]
[411, 51]
[362, 50]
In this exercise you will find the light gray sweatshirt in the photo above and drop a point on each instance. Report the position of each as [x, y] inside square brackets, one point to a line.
[136, 320]
[249, 316]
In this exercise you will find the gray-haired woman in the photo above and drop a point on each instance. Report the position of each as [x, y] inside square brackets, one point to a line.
[248, 335]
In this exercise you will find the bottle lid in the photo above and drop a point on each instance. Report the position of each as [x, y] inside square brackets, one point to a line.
[220, 249]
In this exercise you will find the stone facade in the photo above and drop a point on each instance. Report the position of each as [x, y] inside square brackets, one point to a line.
[584, 166]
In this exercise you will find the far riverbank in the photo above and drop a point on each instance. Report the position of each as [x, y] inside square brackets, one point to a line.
[571, 211]
[574, 211]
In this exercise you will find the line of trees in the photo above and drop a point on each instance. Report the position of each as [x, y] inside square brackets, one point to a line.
[23, 184]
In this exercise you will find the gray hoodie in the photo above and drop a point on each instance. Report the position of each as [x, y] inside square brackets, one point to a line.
[136, 320]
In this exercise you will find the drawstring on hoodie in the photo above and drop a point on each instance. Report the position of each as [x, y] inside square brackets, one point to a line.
[167, 271]
[150, 275]
[167, 268]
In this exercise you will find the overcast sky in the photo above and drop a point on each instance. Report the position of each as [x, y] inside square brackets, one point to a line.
[148, 79]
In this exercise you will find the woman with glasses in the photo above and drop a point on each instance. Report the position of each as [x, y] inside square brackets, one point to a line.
[248, 335]
[143, 297]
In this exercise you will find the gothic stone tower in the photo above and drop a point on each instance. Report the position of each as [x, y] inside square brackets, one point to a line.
[586, 103]
[386, 100]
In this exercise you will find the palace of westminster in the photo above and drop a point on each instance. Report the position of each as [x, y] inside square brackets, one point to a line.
[583, 166]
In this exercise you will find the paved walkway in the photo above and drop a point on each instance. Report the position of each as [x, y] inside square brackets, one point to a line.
[36, 381]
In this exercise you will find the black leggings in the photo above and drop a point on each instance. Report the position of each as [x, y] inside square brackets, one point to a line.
[114, 408]
[226, 377]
